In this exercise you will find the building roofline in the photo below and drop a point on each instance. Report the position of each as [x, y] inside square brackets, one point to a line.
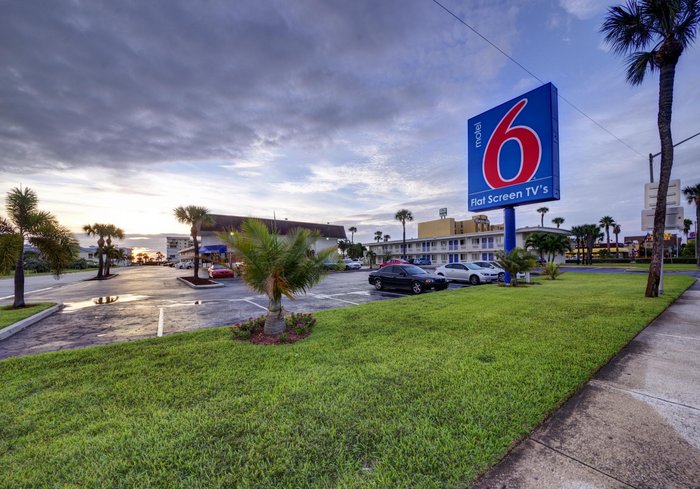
[225, 223]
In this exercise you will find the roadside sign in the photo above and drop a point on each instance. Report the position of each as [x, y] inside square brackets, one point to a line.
[513, 152]
[674, 218]
[673, 196]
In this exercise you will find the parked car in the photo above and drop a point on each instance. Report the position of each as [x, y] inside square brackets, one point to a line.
[494, 266]
[220, 271]
[184, 264]
[395, 261]
[467, 272]
[351, 264]
[421, 261]
[406, 276]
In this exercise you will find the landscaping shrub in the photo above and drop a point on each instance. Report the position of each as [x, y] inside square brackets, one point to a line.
[300, 323]
[246, 329]
[551, 270]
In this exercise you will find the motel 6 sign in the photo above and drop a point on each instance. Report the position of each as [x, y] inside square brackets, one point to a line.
[513, 152]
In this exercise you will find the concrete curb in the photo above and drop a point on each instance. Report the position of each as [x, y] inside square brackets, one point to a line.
[24, 323]
[191, 285]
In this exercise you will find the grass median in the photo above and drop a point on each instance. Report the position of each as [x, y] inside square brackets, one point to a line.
[9, 316]
[424, 391]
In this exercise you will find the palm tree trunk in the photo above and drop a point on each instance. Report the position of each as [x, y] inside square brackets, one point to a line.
[196, 256]
[607, 234]
[666, 76]
[617, 245]
[404, 240]
[274, 322]
[100, 257]
[19, 281]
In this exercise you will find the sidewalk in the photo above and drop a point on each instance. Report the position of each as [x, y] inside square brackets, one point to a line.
[635, 424]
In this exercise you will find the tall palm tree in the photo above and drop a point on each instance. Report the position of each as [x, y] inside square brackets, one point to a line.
[591, 233]
[352, 230]
[386, 237]
[607, 222]
[196, 217]
[542, 211]
[99, 230]
[26, 223]
[653, 35]
[692, 193]
[687, 224]
[111, 231]
[616, 231]
[277, 265]
[577, 232]
[402, 216]
[558, 221]
[378, 235]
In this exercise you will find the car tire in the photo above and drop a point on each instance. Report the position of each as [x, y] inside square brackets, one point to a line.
[417, 287]
[378, 284]
[441, 274]
[474, 280]
[502, 276]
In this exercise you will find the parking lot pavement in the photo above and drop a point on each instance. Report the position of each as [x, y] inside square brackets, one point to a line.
[145, 302]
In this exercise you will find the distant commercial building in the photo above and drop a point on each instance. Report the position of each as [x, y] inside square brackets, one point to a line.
[212, 248]
[174, 244]
[91, 255]
[448, 241]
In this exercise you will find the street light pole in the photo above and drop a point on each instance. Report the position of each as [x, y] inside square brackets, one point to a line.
[652, 156]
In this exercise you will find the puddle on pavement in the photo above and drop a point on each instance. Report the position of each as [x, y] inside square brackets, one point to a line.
[96, 301]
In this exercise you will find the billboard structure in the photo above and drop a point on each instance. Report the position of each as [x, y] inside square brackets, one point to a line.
[513, 156]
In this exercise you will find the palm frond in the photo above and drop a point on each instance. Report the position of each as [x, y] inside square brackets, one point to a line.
[687, 25]
[624, 28]
[638, 64]
[10, 248]
[57, 244]
[21, 203]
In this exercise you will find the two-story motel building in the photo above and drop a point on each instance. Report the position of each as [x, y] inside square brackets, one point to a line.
[447, 240]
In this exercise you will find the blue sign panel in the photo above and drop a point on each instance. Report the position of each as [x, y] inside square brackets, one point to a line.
[513, 152]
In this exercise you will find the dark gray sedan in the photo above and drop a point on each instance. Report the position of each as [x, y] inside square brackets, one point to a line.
[408, 277]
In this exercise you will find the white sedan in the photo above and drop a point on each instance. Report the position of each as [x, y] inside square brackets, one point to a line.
[467, 272]
[494, 266]
[351, 264]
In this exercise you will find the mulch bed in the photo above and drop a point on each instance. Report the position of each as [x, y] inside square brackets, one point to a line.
[199, 281]
[259, 338]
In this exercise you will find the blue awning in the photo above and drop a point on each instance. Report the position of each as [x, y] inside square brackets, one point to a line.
[221, 249]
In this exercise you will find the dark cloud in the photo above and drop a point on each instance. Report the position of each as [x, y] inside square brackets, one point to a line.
[120, 83]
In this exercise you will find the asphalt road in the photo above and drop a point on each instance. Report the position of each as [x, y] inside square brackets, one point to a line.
[144, 302]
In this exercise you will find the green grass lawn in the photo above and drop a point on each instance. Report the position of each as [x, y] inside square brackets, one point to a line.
[10, 316]
[29, 273]
[669, 267]
[424, 391]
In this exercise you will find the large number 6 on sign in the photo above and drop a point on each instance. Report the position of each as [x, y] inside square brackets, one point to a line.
[530, 150]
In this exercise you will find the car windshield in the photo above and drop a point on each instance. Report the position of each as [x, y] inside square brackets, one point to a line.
[413, 270]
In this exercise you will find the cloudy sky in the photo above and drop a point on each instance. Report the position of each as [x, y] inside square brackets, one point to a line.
[314, 110]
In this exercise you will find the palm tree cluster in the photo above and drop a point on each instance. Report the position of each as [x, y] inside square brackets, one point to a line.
[277, 265]
[105, 246]
[26, 223]
[514, 262]
[653, 35]
[548, 244]
[585, 236]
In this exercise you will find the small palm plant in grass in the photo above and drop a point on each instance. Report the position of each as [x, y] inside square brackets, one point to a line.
[517, 261]
[551, 270]
[277, 265]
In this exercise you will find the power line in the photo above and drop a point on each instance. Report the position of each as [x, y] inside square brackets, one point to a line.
[461, 21]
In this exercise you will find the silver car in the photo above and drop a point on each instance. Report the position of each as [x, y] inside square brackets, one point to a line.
[467, 272]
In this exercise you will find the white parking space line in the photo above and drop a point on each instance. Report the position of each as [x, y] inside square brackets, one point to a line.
[251, 302]
[321, 296]
[160, 323]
